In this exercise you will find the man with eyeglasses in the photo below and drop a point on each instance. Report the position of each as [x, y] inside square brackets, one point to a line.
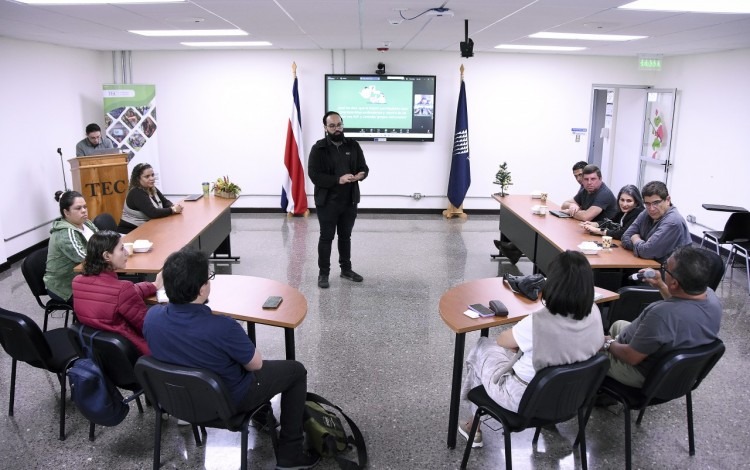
[689, 316]
[336, 166]
[658, 230]
[186, 332]
[93, 142]
[594, 200]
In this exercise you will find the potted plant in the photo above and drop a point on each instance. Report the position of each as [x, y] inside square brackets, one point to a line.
[222, 187]
[503, 178]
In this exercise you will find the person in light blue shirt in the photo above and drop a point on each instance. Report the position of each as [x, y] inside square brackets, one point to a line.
[660, 229]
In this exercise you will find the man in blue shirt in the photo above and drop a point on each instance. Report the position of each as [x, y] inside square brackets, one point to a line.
[186, 332]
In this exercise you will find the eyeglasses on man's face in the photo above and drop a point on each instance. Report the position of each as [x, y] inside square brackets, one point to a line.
[653, 203]
[335, 126]
[666, 270]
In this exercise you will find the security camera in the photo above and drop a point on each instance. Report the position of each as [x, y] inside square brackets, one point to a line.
[381, 69]
[467, 48]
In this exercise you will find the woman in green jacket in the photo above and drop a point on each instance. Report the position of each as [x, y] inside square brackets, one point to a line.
[67, 245]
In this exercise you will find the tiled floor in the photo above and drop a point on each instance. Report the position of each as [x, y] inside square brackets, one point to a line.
[380, 350]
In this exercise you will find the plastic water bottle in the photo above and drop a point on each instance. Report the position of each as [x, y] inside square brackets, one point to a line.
[647, 274]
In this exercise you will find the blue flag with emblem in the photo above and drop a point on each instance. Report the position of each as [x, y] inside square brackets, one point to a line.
[460, 176]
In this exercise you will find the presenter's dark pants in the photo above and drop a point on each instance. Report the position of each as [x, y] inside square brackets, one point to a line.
[335, 218]
[290, 379]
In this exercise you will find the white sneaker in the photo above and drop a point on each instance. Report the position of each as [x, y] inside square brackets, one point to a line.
[463, 430]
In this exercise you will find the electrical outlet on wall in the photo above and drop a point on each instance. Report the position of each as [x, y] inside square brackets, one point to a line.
[691, 219]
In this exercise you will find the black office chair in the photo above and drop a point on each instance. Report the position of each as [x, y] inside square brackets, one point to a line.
[554, 395]
[632, 301]
[676, 374]
[24, 341]
[743, 249]
[736, 230]
[33, 268]
[197, 396]
[105, 221]
[717, 268]
[116, 355]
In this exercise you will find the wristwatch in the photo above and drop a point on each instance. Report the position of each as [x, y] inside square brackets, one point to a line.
[608, 343]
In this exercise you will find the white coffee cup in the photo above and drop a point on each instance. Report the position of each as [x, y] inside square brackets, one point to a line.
[128, 248]
[542, 210]
[606, 241]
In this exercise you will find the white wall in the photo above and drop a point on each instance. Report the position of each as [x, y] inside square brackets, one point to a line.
[712, 137]
[225, 112]
[48, 95]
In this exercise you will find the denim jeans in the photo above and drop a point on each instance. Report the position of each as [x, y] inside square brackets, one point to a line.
[290, 379]
[335, 218]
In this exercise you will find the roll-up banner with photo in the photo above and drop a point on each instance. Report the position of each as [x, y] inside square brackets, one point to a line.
[130, 117]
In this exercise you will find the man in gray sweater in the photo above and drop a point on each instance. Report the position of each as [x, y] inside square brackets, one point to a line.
[660, 229]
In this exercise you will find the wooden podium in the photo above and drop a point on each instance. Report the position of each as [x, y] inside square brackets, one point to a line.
[103, 181]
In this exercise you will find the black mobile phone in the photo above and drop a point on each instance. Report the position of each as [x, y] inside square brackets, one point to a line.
[482, 310]
[272, 301]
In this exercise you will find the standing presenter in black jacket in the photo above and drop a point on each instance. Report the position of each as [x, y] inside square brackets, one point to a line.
[336, 166]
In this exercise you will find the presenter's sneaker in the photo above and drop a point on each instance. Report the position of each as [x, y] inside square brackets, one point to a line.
[352, 276]
[464, 429]
[301, 461]
[323, 281]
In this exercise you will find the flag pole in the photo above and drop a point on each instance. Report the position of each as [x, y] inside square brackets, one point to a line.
[307, 211]
[453, 211]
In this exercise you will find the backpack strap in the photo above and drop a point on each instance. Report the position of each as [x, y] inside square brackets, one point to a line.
[357, 440]
[88, 349]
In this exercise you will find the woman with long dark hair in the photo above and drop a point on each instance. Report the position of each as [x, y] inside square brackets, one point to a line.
[630, 204]
[566, 329]
[103, 301]
[144, 200]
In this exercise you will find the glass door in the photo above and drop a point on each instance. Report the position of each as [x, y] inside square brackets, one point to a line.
[656, 144]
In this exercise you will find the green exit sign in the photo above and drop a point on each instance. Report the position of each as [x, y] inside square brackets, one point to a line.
[652, 63]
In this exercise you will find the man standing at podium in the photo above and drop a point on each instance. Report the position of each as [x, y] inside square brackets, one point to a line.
[94, 143]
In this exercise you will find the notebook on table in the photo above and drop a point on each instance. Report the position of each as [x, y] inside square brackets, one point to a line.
[193, 197]
[561, 214]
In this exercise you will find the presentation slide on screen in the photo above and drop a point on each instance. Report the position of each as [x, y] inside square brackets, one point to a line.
[376, 104]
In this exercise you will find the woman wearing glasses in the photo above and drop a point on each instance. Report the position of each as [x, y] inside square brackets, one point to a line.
[103, 301]
[144, 201]
[630, 203]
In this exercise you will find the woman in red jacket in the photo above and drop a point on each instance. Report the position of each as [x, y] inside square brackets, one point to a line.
[103, 301]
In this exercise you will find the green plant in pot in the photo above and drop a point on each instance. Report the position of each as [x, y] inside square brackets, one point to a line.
[502, 177]
[222, 187]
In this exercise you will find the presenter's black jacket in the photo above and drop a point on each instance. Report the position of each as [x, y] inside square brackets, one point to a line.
[327, 163]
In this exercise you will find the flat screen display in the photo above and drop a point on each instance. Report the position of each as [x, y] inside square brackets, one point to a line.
[384, 107]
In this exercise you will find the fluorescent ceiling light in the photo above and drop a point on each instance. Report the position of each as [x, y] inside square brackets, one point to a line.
[691, 6]
[188, 32]
[585, 37]
[522, 47]
[227, 44]
[93, 2]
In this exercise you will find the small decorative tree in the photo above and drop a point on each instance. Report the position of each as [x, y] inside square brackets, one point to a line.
[503, 178]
